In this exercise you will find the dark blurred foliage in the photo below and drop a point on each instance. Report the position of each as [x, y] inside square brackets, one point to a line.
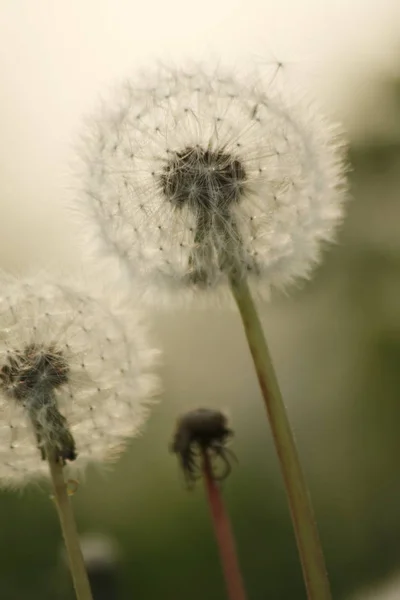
[341, 376]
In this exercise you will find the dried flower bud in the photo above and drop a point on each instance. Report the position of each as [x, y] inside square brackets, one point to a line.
[75, 377]
[198, 431]
[190, 177]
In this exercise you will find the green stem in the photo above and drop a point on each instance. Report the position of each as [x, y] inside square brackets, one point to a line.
[311, 556]
[69, 530]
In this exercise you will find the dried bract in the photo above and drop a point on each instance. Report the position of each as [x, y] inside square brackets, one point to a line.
[199, 431]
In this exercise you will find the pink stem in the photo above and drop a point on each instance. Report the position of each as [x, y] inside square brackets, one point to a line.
[224, 535]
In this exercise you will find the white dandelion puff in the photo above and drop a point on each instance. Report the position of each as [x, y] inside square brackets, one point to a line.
[76, 376]
[189, 176]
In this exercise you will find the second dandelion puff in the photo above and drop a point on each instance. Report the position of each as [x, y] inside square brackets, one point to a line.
[76, 377]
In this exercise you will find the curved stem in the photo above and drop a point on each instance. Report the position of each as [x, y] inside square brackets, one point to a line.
[309, 547]
[69, 530]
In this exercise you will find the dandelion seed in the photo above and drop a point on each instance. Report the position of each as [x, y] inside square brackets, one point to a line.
[75, 378]
[190, 177]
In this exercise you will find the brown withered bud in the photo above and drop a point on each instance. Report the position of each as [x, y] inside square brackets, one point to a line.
[199, 431]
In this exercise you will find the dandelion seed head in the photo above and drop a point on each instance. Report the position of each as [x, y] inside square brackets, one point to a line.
[76, 375]
[191, 174]
[202, 179]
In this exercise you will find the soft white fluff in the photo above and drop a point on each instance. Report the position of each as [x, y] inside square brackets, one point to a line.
[290, 202]
[110, 381]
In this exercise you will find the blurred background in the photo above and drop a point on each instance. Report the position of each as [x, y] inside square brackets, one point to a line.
[335, 340]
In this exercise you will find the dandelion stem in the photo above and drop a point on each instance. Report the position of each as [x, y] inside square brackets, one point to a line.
[308, 543]
[224, 535]
[69, 530]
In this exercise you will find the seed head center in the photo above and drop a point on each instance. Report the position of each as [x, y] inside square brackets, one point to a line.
[34, 367]
[204, 179]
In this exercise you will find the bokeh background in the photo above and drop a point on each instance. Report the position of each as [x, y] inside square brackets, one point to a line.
[335, 341]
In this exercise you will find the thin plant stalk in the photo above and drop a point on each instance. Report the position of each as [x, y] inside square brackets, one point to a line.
[224, 535]
[69, 530]
[308, 543]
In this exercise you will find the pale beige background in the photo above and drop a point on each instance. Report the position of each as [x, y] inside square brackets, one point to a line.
[57, 57]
